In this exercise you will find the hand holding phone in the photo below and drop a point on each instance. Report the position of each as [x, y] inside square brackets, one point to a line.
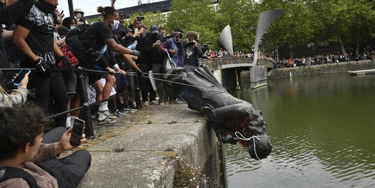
[78, 127]
[20, 77]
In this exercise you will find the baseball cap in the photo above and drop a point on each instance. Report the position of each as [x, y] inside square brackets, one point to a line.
[154, 29]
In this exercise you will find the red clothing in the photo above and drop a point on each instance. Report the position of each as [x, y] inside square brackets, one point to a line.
[67, 53]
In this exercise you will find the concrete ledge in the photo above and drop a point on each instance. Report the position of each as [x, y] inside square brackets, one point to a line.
[144, 154]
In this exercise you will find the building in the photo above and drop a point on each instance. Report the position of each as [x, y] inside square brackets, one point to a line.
[162, 6]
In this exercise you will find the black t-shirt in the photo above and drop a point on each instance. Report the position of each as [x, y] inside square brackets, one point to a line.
[8, 15]
[93, 38]
[41, 36]
[95, 35]
[192, 55]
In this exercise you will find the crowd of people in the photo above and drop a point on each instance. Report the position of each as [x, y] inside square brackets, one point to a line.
[65, 56]
[321, 59]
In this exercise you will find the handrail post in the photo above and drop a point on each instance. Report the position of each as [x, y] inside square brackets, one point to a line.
[85, 112]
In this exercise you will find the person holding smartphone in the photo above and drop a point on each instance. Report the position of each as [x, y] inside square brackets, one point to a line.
[8, 15]
[17, 96]
[193, 50]
[28, 155]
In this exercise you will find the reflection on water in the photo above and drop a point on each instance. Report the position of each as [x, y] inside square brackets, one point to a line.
[322, 129]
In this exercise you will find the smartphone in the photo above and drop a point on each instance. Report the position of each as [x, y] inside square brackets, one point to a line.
[20, 76]
[78, 127]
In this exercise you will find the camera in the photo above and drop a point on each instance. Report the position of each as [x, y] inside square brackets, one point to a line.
[140, 18]
[92, 53]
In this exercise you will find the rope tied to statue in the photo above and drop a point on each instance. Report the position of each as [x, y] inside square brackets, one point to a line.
[242, 137]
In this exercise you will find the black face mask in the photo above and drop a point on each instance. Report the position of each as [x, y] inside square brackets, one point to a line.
[154, 36]
[46, 8]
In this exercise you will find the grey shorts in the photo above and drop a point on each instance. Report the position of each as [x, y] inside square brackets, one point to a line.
[70, 79]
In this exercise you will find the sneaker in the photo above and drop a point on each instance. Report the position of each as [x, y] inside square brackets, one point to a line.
[118, 113]
[94, 116]
[146, 103]
[132, 104]
[178, 101]
[154, 102]
[107, 114]
[106, 121]
[130, 110]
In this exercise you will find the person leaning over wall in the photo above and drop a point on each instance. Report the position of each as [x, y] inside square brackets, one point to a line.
[92, 49]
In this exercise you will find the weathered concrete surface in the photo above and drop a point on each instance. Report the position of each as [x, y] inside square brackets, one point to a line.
[322, 69]
[141, 150]
[258, 76]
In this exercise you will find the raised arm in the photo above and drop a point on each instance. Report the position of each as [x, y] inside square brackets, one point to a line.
[118, 48]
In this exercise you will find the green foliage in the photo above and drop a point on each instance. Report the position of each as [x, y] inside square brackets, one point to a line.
[150, 18]
[344, 22]
[98, 19]
[191, 15]
[188, 175]
[242, 17]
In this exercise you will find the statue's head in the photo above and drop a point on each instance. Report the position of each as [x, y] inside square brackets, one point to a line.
[254, 136]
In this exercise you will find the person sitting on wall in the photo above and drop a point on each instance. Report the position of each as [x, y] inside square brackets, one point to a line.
[26, 162]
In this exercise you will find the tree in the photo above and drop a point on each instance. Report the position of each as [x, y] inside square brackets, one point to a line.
[345, 19]
[193, 15]
[150, 18]
[242, 16]
[294, 28]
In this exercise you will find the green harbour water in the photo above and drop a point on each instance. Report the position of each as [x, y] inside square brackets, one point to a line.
[322, 129]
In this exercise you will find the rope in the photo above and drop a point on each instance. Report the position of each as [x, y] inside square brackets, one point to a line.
[189, 85]
[242, 137]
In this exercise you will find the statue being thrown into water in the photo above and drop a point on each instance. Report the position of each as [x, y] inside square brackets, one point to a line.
[233, 120]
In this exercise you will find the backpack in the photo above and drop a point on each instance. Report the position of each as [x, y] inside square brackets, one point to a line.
[75, 33]
[13, 172]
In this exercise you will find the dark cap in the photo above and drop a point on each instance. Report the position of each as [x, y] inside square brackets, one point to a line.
[154, 29]
[121, 28]
[62, 30]
[177, 31]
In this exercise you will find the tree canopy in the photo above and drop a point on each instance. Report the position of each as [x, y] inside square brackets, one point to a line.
[342, 22]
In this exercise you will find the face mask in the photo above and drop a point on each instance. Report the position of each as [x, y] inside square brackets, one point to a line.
[176, 40]
[115, 24]
[72, 27]
[79, 15]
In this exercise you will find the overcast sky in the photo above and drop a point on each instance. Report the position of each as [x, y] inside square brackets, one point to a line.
[90, 6]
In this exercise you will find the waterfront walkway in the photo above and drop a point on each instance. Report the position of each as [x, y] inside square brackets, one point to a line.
[140, 150]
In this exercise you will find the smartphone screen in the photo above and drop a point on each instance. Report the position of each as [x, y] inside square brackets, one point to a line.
[78, 126]
[20, 76]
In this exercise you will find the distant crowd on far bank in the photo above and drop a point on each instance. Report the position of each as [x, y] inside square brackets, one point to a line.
[322, 59]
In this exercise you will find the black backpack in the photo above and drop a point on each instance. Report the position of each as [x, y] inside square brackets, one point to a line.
[13, 172]
[76, 33]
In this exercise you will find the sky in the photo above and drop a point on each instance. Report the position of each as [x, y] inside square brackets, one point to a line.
[90, 6]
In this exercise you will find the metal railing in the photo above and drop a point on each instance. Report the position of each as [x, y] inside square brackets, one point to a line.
[85, 106]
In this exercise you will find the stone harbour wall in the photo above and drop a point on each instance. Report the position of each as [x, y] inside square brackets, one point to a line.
[322, 69]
